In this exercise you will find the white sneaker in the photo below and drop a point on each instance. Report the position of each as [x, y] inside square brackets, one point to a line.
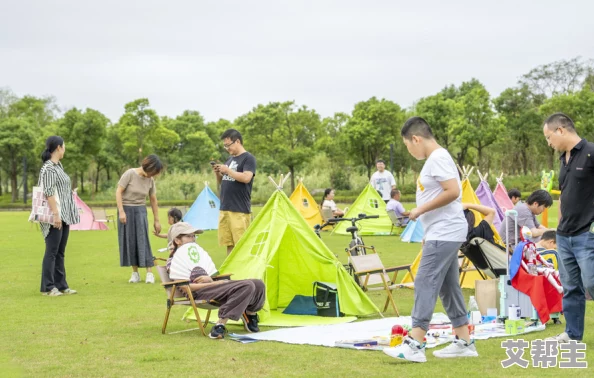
[135, 278]
[457, 348]
[53, 293]
[69, 291]
[410, 350]
[150, 278]
[561, 338]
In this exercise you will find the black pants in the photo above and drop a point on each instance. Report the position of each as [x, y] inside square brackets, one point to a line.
[53, 273]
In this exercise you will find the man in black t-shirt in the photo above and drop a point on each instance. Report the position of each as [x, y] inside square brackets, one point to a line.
[575, 232]
[235, 177]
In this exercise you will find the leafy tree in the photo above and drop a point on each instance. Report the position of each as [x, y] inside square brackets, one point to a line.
[579, 106]
[283, 131]
[195, 146]
[83, 134]
[439, 111]
[112, 155]
[519, 106]
[7, 98]
[331, 139]
[16, 139]
[477, 125]
[563, 76]
[373, 125]
[38, 115]
[214, 131]
[38, 112]
[136, 127]
[187, 188]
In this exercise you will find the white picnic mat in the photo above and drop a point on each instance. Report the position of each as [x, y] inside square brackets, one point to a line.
[343, 335]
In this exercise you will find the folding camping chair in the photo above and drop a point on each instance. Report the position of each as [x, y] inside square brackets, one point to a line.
[371, 275]
[175, 296]
[398, 222]
[101, 216]
[327, 214]
[489, 259]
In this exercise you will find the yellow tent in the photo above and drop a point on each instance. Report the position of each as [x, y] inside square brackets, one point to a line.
[469, 196]
[306, 205]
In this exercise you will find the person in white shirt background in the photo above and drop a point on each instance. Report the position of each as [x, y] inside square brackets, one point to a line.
[383, 181]
[328, 203]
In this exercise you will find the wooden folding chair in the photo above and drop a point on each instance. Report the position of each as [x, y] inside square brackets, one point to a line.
[373, 276]
[175, 296]
[102, 217]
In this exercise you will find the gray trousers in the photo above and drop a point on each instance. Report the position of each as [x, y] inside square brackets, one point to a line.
[438, 273]
[235, 297]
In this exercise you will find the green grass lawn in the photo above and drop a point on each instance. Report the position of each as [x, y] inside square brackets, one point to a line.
[113, 329]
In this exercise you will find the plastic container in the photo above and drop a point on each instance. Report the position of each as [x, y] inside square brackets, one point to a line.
[472, 305]
[396, 336]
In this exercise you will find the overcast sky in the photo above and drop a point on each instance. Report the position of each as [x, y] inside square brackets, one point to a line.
[222, 58]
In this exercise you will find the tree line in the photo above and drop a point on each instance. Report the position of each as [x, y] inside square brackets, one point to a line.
[501, 133]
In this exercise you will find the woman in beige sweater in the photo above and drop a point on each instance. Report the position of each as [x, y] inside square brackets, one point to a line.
[133, 235]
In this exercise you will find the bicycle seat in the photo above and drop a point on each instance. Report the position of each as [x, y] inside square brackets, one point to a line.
[352, 229]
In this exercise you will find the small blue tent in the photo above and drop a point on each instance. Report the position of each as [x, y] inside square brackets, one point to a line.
[204, 212]
[413, 232]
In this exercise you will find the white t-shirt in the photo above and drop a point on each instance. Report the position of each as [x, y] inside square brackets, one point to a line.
[446, 223]
[329, 204]
[383, 182]
[186, 258]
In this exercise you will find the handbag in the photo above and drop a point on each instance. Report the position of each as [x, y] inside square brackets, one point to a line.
[41, 211]
[325, 298]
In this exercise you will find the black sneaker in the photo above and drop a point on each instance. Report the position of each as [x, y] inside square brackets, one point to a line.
[250, 322]
[218, 331]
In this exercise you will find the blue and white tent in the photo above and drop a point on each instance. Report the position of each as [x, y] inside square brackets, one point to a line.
[413, 232]
[204, 212]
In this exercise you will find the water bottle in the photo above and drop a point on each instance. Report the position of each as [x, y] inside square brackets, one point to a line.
[472, 306]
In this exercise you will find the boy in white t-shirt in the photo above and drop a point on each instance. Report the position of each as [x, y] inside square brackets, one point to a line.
[439, 207]
[382, 180]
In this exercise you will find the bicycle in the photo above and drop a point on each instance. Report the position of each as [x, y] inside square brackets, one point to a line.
[356, 246]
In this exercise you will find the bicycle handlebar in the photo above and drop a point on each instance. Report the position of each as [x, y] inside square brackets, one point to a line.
[353, 220]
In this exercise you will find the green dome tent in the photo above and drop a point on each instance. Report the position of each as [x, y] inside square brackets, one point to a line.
[369, 202]
[280, 248]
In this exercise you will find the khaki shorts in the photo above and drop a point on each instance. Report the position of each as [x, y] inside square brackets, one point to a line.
[231, 226]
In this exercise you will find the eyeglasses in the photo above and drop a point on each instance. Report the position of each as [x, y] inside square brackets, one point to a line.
[229, 145]
[548, 137]
[187, 235]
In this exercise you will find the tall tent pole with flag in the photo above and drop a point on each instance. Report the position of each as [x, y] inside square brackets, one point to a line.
[485, 196]
[501, 196]
[280, 248]
[369, 202]
[204, 212]
[306, 204]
